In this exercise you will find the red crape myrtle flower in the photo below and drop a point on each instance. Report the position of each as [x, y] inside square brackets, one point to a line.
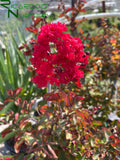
[57, 57]
[5, 159]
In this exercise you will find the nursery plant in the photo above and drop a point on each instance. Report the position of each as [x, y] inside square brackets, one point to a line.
[75, 125]
[67, 129]
[102, 71]
[13, 69]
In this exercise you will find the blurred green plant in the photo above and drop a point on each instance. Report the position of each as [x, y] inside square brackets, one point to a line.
[14, 70]
[103, 69]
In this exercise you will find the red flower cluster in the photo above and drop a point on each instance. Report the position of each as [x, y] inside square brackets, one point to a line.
[5, 159]
[58, 57]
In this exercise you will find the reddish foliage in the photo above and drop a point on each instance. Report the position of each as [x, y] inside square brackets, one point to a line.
[36, 21]
[17, 91]
[31, 29]
[5, 132]
[10, 92]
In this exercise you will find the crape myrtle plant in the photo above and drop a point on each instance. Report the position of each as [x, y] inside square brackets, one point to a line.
[104, 67]
[51, 123]
[67, 129]
[102, 71]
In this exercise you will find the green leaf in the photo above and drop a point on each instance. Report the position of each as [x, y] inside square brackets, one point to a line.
[3, 73]
[20, 35]
[25, 79]
[97, 123]
[3, 92]
[18, 52]
[9, 68]
[7, 108]
[8, 136]
[15, 65]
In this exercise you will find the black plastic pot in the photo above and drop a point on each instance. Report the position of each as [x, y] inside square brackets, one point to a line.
[11, 148]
